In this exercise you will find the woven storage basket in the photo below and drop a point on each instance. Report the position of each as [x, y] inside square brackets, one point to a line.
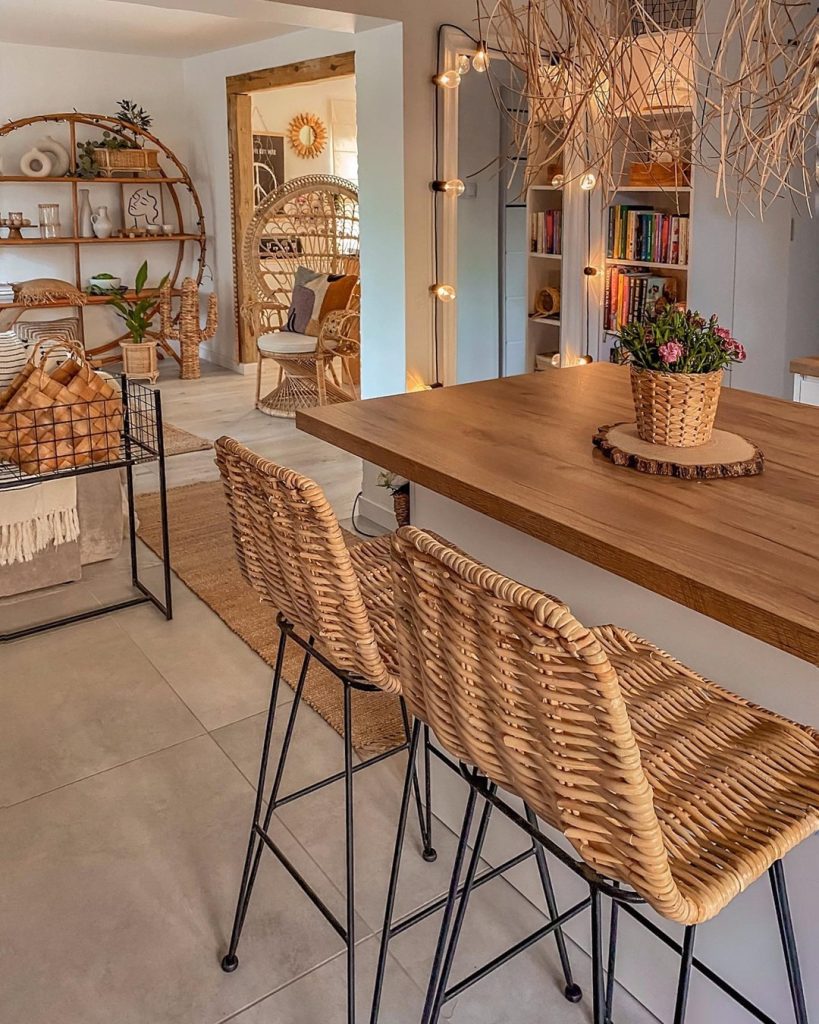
[59, 420]
[675, 409]
[111, 161]
[401, 507]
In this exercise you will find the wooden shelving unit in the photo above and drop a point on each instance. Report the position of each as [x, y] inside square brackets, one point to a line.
[176, 185]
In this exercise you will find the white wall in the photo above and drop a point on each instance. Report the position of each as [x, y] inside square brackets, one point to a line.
[38, 80]
[274, 109]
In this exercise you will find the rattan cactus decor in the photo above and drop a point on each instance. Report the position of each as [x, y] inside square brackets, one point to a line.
[185, 328]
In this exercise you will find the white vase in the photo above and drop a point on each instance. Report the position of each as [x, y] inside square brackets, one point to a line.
[13, 355]
[101, 222]
[84, 214]
[58, 154]
[35, 163]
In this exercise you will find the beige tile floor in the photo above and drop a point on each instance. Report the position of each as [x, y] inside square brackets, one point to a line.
[128, 747]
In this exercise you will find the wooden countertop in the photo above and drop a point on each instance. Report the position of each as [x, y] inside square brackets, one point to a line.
[807, 365]
[744, 552]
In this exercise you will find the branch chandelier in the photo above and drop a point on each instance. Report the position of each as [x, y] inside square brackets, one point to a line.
[593, 76]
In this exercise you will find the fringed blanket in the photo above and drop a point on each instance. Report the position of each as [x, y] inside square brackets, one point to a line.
[35, 517]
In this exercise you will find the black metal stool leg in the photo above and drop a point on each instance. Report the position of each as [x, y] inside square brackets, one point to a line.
[230, 961]
[424, 814]
[615, 908]
[429, 853]
[685, 974]
[449, 908]
[350, 841]
[776, 874]
[449, 957]
[598, 1015]
[571, 991]
[396, 867]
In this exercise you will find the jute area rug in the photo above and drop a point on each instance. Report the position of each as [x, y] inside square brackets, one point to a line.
[180, 442]
[202, 556]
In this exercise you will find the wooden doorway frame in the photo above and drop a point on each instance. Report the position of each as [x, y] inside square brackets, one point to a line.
[239, 105]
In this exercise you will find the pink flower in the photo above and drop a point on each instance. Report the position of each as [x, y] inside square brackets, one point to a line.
[723, 332]
[734, 349]
[671, 352]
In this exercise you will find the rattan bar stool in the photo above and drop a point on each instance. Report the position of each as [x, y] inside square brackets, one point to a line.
[291, 550]
[673, 792]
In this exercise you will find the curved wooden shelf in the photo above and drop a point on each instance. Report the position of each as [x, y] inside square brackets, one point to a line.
[176, 179]
[90, 300]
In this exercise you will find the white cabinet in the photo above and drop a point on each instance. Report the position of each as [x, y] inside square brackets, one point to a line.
[805, 389]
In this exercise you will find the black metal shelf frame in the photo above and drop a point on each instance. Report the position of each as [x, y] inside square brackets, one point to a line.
[141, 442]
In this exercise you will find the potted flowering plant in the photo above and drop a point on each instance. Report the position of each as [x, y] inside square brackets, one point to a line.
[677, 358]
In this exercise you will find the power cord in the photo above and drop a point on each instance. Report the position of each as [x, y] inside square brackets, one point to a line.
[362, 533]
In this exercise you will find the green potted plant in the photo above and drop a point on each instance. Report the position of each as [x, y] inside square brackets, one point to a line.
[139, 354]
[677, 359]
[399, 489]
[119, 151]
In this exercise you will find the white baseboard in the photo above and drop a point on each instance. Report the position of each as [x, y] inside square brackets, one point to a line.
[379, 514]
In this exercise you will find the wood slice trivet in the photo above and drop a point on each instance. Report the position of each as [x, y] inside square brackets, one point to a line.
[725, 455]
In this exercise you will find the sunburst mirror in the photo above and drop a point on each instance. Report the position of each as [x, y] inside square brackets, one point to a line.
[308, 135]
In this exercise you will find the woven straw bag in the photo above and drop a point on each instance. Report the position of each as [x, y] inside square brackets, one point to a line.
[675, 409]
[62, 419]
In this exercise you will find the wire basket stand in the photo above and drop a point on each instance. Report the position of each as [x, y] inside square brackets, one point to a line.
[99, 448]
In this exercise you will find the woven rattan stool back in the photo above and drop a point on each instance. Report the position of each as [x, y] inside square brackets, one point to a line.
[513, 684]
[291, 551]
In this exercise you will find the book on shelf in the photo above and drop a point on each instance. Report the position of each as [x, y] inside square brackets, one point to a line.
[546, 232]
[630, 294]
[643, 234]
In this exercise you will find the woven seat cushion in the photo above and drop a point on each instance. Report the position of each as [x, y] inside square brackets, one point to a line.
[735, 786]
[289, 343]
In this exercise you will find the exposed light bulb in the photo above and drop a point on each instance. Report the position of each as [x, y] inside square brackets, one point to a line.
[480, 62]
[590, 271]
[588, 181]
[453, 187]
[585, 360]
[464, 63]
[556, 360]
[448, 79]
[444, 292]
[557, 181]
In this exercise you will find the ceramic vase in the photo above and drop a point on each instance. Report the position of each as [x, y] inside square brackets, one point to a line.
[101, 222]
[58, 154]
[84, 214]
[35, 164]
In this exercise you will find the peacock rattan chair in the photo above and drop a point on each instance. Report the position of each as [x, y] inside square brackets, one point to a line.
[672, 791]
[308, 222]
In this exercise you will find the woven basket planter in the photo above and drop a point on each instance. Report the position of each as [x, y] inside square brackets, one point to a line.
[139, 360]
[122, 161]
[401, 507]
[675, 409]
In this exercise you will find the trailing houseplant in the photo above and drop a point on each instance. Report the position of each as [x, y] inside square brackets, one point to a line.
[677, 358]
[138, 354]
[94, 155]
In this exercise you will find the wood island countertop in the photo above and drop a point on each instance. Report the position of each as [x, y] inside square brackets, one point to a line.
[742, 551]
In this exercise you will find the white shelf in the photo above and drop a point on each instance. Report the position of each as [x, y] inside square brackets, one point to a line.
[547, 255]
[668, 189]
[554, 321]
[546, 188]
[647, 264]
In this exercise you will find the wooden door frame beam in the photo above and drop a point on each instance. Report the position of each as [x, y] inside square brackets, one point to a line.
[238, 90]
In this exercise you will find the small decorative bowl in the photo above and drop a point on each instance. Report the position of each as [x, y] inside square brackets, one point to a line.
[105, 284]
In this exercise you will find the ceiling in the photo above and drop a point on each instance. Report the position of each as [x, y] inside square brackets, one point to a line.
[114, 26]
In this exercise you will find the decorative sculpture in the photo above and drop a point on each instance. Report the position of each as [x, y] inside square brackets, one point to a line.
[185, 329]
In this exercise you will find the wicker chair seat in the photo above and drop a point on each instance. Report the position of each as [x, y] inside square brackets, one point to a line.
[735, 786]
[289, 343]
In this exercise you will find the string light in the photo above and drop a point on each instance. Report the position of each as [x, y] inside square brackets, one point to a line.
[480, 62]
[444, 292]
[453, 187]
[464, 63]
[588, 181]
[585, 360]
[448, 79]
[557, 181]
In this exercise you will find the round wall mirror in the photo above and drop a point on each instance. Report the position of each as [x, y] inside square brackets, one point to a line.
[308, 135]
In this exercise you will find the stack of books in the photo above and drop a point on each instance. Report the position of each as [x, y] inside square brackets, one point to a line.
[642, 233]
[631, 293]
[6, 292]
[547, 232]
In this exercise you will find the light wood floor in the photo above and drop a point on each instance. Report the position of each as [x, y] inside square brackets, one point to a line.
[221, 402]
